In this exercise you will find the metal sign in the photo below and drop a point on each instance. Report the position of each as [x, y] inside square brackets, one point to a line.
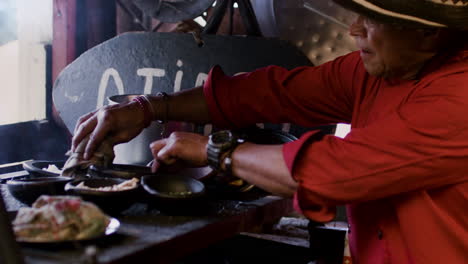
[148, 63]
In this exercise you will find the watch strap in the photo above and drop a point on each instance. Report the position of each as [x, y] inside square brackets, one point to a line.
[218, 144]
[213, 156]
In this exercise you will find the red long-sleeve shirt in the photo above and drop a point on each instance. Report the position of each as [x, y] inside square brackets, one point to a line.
[402, 171]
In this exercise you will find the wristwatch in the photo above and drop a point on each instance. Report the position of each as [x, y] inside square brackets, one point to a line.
[220, 143]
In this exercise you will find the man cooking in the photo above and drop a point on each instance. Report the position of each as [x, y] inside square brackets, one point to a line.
[402, 171]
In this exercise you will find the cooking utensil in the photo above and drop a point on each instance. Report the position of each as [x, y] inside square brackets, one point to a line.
[124, 171]
[175, 193]
[38, 168]
[111, 202]
[27, 190]
[173, 187]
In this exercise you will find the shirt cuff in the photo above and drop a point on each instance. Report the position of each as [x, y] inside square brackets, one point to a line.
[303, 200]
[303, 203]
[291, 150]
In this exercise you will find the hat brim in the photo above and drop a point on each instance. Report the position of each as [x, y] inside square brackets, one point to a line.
[411, 13]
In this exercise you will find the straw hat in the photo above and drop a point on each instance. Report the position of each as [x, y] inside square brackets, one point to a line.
[417, 13]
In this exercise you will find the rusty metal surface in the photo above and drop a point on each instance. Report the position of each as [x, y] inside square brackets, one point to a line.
[319, 28]
[151, 231]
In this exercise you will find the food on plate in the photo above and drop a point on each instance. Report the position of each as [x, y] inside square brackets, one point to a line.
[53, 168]
[126, 185]
[236, 183]
[77, 165]
[59, 218]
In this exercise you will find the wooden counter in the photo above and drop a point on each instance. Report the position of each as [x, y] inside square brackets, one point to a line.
[150, 234]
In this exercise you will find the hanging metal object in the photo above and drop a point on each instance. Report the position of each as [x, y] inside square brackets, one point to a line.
[135, 13]
[173, 11]
[246, 11]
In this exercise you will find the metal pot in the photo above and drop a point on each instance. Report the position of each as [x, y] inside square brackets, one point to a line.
[137, 151]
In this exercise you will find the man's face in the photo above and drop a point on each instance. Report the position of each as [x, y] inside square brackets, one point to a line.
[387, 50]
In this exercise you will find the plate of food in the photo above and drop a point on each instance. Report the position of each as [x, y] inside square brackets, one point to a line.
[59, 219]
[113, 195]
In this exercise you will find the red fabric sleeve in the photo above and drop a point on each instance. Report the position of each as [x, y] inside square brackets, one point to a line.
[306, 96]
[216, 76]
[291, 150]
[418, 143]
[423, 145]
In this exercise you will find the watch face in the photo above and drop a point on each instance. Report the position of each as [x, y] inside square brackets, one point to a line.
[221, 137]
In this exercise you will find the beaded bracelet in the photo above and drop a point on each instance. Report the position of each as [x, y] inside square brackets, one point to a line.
[150, 106]
[147, 109]
[149, 113]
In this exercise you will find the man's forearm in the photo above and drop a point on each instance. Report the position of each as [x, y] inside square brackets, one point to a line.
[263, 166]
[189, 105]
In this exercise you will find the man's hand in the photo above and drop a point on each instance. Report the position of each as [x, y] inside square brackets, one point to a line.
[117, 123]
[180, 147]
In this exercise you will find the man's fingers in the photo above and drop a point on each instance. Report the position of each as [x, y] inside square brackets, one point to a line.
[156, 146]
[162, 151]
[155, 166]
[83, 130]
[83, 119]
[96, 139]
[165, 156]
